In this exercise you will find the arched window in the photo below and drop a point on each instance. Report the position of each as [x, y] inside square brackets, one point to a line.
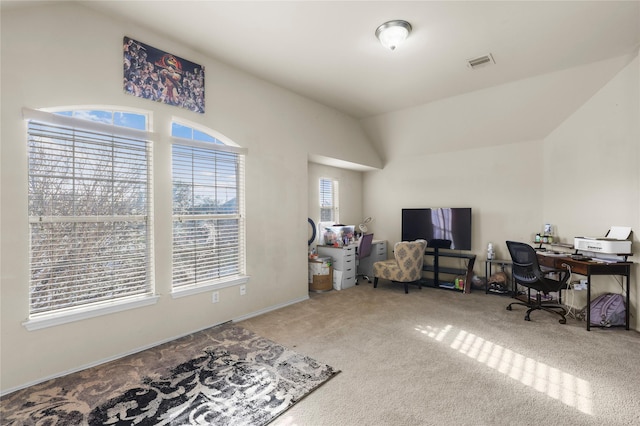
[89, 210]
[208, 209]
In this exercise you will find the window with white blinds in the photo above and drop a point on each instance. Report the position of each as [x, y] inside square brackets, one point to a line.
[89, 210]
[329, 200]
[208, 209]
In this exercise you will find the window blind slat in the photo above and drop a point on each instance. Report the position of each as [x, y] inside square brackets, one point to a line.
[328, 200]
[89, 208]
[208, 238]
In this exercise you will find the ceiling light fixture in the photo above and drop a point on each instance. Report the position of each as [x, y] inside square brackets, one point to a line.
[392, 33]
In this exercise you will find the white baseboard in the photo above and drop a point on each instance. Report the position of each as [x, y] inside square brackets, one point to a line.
[152, 345]
[270, 308]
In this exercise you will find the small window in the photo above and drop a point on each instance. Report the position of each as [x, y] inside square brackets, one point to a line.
[329, 200]
[208, 209]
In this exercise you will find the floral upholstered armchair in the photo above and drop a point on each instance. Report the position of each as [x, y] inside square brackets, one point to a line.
[405, 267]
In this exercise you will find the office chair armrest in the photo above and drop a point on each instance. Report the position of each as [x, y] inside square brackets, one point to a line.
[549, 270]
[563, 273]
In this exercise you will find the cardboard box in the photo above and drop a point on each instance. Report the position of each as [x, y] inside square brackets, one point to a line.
[323, 282]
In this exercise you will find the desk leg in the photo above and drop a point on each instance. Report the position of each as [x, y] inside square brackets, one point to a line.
[626, 314]
[588, 302]
[487, 271]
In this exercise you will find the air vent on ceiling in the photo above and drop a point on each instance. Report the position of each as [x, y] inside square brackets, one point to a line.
[480, 61]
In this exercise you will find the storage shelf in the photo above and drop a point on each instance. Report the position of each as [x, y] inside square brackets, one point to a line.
[446, 285]
[450, 254]
[437, 270]
[445, 270]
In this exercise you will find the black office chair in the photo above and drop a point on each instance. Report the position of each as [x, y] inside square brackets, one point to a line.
[527, 272]
[364, 250]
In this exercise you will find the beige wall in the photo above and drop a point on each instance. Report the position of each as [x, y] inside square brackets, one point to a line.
[65, 55]
[349, 192]
[476, 150]
[592, 173]
[571, 159]
[475, 178]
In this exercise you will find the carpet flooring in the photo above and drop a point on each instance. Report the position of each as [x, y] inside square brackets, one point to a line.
[440, 357]
[226, 375]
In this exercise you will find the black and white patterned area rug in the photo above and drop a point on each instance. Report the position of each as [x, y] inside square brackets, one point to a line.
[235, 378]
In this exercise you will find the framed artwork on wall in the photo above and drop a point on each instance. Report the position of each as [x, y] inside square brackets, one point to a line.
[163, 77]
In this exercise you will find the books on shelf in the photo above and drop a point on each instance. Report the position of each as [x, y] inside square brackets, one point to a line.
[447, 285]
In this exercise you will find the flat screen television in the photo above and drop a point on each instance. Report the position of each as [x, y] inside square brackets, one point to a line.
[444, 227]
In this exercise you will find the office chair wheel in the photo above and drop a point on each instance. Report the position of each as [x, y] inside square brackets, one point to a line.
[562, 320]
[509, 308]
[527, 318]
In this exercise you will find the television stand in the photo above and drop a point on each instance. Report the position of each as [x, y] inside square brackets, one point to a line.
[438, 270]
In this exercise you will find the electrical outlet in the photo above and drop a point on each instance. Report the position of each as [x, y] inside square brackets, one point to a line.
[215, 297]
[243, 290]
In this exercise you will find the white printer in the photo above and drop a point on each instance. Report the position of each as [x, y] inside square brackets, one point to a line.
[615, 242]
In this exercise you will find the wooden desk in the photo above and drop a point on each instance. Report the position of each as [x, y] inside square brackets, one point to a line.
[589, 268]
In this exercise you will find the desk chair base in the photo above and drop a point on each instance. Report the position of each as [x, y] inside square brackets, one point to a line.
[554, 308]
[406, 284]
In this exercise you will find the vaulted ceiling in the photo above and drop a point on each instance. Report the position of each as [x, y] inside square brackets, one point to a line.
[550, 58]
[327, 50]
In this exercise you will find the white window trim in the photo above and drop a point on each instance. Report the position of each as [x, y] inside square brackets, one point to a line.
[63, 120]
[335, 195]
[226, 146]
[79, 314]
[206, 130]
[208, 145]
[210, 286]
[45, 320]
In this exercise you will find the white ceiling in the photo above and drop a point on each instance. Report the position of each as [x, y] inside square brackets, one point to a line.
[327, 50]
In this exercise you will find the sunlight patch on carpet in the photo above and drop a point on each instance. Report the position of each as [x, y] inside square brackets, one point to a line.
[557, 384]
